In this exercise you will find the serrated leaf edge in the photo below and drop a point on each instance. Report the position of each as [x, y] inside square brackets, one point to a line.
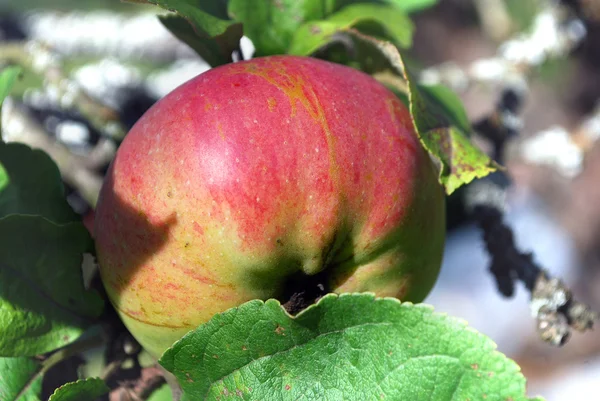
[70, 384]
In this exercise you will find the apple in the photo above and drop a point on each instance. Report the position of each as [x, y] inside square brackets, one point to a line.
[254, 171]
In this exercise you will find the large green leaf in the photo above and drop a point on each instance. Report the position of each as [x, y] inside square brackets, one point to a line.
[19, 380]
[8, 76]
[385, 20]
[43, 303]
[440, 124]
[347, 347]
[213, 38]
[30, 183]
[81, 390]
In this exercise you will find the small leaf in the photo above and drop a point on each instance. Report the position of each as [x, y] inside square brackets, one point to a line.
[214, 39]
[81, 390]
[397, 26]
[439, 126]
[410, 6]
[18, 380]
[43, 303]
[8, 76]
[450, 104]
[390, 21]
[461, 160]
[407, 6]
[350, 347]
[271, 24]
[312, 36]
[30, 183]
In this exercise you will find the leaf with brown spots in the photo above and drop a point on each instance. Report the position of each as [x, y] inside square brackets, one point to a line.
[346, 347]
[441, 123]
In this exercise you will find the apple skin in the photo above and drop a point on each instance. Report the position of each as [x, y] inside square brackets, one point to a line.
[254, 171]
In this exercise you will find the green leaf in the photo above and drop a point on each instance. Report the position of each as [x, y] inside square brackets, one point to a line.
[350, 347]
[43, 303]
[441, 126]
[410, 6]
[386, 21]
[81, 390]
[271, 24]
[163, 393]
[461, 160]
[394, 22]
[213, 38]
[449, 103]
[30, 183]
[8, 77]
[217, 8]
[18, 381]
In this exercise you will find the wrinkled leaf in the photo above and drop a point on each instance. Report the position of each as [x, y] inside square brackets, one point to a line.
[18, 380]
[8, 77]
[350, 347]
[81, 390]
[214, 39]
[30, 183]
[439, 126]
[461, 160]
[43, 303]
[388, 21]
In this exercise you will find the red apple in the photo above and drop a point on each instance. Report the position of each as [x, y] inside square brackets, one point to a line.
[257, 170]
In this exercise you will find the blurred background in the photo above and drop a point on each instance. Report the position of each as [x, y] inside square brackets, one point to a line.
[121, 56]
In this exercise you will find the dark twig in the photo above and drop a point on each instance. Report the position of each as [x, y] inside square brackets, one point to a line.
[504, 123]
[552, 303]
